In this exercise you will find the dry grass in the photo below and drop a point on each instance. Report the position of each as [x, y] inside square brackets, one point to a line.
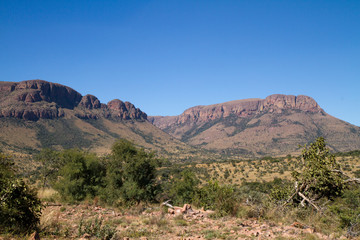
[46, 193]
[64, 222]
[264, 170]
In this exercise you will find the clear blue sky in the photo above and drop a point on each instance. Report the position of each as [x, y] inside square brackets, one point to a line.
[166, 56]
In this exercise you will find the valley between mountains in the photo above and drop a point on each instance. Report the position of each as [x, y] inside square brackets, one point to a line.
[83, 169]
[37, 114]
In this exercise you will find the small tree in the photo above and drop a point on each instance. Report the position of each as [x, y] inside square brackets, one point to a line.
[131, 174]
[51, 163]
[321, 176]
[81, 175]
[185, 189]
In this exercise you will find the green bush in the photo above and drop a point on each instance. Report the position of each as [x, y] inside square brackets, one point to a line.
[184, 190]
[130, 175]
[281, 191]
[347, 207]
[81, 175]
[221, 198]
[20, 209]
[127, 176]
[320, 176]
[50, 163]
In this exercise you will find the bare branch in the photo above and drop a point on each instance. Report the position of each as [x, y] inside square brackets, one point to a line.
[309, 201]
[352, 180]
[166, 203]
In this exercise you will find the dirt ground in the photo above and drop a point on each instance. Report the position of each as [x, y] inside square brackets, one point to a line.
[93, 222]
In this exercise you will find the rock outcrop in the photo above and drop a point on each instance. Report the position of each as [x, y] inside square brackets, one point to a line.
[36, 99]
[39, 90]
[240, 108]
[272, 126]
[125, 110]
[90, 102]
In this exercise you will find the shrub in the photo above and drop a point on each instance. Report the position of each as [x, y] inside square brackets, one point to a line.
[320, 176]
[347, 207]
[281, 191]
[185, 189]
[51, 163]
[20, 209]
[81, 175]
[130, 175]
[97, 229]
[223, 198]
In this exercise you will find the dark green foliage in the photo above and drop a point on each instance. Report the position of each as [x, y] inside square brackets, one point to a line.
[51, 163]
[81, 175]
[347, 208]
[20, 209]
[127, 176]
[320, 179]
[222, 198]
[6, 168]
[320, 175]
[183, 190]
[131, 174]
[280, 191]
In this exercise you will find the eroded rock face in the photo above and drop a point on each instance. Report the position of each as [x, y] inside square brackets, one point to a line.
[39, 90]
[241, 108]
[36, 99]
[90, 102]
[125, 110]
[301, 102]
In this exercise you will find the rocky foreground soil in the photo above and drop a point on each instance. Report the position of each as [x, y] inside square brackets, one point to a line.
[83, 222]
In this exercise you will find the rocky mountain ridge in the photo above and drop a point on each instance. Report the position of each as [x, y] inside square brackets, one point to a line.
[240, 108]
[39, 99]
[37, 114]
[276, 125]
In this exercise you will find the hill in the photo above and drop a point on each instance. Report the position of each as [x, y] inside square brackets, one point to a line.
[35, 114]
[273, 126]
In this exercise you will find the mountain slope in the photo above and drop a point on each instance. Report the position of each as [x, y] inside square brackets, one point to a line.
[276, 125]
[35, 114]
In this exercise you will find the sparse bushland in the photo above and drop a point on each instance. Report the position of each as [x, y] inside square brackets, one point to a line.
[125, 177]
[129, 179]
[322, 186]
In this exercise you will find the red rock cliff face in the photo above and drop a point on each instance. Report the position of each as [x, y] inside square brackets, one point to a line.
[35, 99]
[241, 108]
[125, 110]
[90, 102]
[39, 90]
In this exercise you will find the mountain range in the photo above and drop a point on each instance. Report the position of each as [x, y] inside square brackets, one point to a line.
[276, 125]
[36, 114]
